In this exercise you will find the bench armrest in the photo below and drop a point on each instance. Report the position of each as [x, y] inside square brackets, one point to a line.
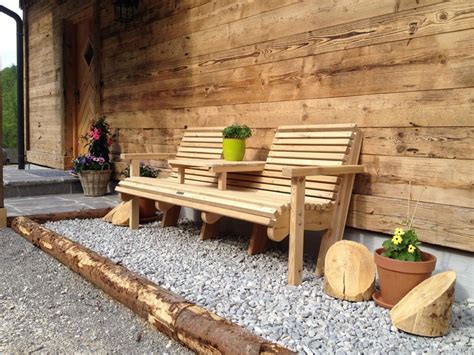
[322, 170]
[147, 156]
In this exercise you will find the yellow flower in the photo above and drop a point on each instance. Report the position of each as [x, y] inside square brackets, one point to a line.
[399, 231]
[411, 249]
[397, 239]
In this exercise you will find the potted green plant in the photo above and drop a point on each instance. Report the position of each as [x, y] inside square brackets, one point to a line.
[146, 206]
[234, 141]
[93, 168]
[401, 265]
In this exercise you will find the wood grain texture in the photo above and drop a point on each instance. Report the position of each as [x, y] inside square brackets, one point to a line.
[410, 109]
[423, 21]
[426, 310]
[399, 69]
[451, 226]
[435, 62]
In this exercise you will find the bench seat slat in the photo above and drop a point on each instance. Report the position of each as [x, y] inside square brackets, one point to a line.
[206, 195]
[249, 217]
[273, 198]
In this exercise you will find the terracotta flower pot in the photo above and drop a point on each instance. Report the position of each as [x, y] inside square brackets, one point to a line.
[147, 208]
[397, 278]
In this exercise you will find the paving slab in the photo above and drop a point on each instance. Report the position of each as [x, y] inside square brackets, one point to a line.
[19, 206]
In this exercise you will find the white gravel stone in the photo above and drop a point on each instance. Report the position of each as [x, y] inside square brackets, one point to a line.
[252, 291]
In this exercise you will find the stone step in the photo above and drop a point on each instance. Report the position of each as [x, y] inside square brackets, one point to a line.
[37, 181]
[37, 188]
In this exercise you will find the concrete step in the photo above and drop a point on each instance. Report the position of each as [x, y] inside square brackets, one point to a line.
[35, 181]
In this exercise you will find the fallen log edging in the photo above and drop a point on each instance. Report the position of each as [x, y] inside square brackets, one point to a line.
[61, 216]
[193, 326]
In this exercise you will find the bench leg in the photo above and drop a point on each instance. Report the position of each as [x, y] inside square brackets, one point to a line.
[295, 253]
[258, 240]
[338, 222]
[134, 213]
[170, 217]
[208, 230]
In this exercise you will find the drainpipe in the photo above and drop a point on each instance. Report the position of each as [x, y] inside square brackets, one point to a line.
[20, 98]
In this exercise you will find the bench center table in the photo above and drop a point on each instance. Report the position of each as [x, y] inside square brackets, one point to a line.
[219, 166]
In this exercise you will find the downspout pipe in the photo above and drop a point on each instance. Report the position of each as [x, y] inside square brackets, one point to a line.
[20, 81]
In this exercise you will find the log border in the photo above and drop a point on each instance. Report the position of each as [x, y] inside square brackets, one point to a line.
[61, 216]
[193, 326]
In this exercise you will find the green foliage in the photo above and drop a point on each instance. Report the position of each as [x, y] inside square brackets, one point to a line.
[9, 108]
[237, 131]
[145, 171]
[403, 246]
[98, 139]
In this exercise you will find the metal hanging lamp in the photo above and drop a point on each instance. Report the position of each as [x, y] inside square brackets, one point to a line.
[125, 10]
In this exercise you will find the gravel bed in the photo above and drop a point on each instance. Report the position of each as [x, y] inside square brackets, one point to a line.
[46, 308]
[252, 290]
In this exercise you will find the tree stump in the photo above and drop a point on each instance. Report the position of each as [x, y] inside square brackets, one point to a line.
[426, 309]
[349, 272]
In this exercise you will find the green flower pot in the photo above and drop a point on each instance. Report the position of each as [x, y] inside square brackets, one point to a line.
[234, 149]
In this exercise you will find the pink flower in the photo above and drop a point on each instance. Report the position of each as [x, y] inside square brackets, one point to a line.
[95, 134]
[109, 142]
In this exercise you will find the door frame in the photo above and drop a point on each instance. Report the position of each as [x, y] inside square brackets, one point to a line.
[90, 10]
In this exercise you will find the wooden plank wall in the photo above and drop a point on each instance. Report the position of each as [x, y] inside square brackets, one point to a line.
[401, 69]
[45, 104]
[46, 140]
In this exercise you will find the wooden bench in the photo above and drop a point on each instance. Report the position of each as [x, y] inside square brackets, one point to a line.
[306, 184]
[196, 144]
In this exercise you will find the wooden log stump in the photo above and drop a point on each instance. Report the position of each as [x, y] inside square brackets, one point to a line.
[193, 326]
[120, 215]
[426, 309]
[349, 271]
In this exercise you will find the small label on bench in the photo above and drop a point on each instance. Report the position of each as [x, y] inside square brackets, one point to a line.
[179, 193]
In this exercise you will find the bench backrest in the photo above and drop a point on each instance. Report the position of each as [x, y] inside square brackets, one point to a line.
[199, 143]
[303, 146]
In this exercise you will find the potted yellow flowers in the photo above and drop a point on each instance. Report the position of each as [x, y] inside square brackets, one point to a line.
[401, 265]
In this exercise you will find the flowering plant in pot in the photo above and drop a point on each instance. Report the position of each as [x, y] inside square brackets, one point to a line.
[146, 206]
[93, 168]
[234, 141]
[401, 265]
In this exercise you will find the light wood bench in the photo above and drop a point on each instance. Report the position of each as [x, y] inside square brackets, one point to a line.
[196, 144]
[306, 184]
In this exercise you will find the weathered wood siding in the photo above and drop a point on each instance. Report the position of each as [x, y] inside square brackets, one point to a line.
[45, 102]
[46, 118]
[403, 70]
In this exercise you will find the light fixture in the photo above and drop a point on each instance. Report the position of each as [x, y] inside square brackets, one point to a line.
[125, 10]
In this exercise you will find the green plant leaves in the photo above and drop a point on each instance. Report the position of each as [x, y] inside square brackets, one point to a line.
[402, 250]
[237, 131]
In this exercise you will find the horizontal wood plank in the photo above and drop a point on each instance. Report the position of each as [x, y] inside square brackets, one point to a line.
[450, 226]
